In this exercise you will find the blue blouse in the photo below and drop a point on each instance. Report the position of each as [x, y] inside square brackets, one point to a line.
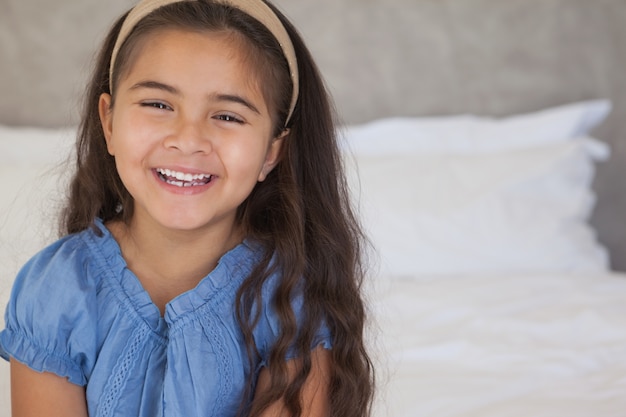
[77, 310]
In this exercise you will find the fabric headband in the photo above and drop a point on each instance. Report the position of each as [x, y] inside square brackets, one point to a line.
[255, 8]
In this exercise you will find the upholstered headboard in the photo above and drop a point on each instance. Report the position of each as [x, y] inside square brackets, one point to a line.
[380, 58]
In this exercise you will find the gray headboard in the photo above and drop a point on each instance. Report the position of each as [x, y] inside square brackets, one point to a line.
[380, 58]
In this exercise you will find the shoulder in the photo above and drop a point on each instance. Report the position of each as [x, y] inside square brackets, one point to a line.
[63, 280]
[72, 262]
[52, 313]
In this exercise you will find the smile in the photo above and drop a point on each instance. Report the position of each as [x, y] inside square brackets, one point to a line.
[182, 179]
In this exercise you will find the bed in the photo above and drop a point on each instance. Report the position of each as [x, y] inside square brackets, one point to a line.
[484, 146]
[490, 292]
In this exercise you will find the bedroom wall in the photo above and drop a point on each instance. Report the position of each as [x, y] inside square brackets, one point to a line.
[380, 58]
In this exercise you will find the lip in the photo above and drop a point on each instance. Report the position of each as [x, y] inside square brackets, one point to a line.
[183, 190]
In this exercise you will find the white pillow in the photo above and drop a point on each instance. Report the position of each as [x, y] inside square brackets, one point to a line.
[31, 145]
[473, 134]
[522, 210]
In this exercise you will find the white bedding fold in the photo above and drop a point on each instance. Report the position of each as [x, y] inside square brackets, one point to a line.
[506, 346]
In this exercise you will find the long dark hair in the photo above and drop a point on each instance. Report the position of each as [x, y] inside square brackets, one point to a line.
[300, 213]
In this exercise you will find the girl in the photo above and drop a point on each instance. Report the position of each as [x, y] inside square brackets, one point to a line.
[211, 265]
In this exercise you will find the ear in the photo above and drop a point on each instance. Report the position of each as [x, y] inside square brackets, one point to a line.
[106, 119]
[272, 158]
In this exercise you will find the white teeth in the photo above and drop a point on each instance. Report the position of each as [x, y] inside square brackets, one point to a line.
[181, 179]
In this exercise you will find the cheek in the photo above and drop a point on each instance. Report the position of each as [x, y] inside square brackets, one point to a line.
[247, 160]
[131, 155]
[131, 138]
[125, 151]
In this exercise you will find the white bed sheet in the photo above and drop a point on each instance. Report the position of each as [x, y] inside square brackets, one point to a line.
[505, 346]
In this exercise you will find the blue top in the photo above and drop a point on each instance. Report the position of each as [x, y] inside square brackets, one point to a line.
[76, 310]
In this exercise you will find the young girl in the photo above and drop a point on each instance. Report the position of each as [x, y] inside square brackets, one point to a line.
[211, 265]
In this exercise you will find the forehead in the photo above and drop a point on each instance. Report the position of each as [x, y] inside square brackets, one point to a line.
[164, 47]
[194, 63]
[169, 43]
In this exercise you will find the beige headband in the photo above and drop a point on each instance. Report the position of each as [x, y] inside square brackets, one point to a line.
[255, 8]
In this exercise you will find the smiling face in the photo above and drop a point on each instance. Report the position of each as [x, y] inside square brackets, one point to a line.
[190, 130]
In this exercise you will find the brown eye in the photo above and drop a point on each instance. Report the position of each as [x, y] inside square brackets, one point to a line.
[157, 105]
[228, 118]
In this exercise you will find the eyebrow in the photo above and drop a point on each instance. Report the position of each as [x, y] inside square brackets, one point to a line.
[233, 98]
[155, 85]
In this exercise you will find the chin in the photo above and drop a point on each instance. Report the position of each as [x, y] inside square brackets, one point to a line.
[192, 222]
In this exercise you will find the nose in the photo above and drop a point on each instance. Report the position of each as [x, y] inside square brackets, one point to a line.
[189, 137]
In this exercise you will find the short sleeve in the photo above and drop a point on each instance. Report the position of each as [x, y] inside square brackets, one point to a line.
[268, 328]
[51, 315]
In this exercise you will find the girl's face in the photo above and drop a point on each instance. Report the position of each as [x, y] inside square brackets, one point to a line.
[190, 130]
